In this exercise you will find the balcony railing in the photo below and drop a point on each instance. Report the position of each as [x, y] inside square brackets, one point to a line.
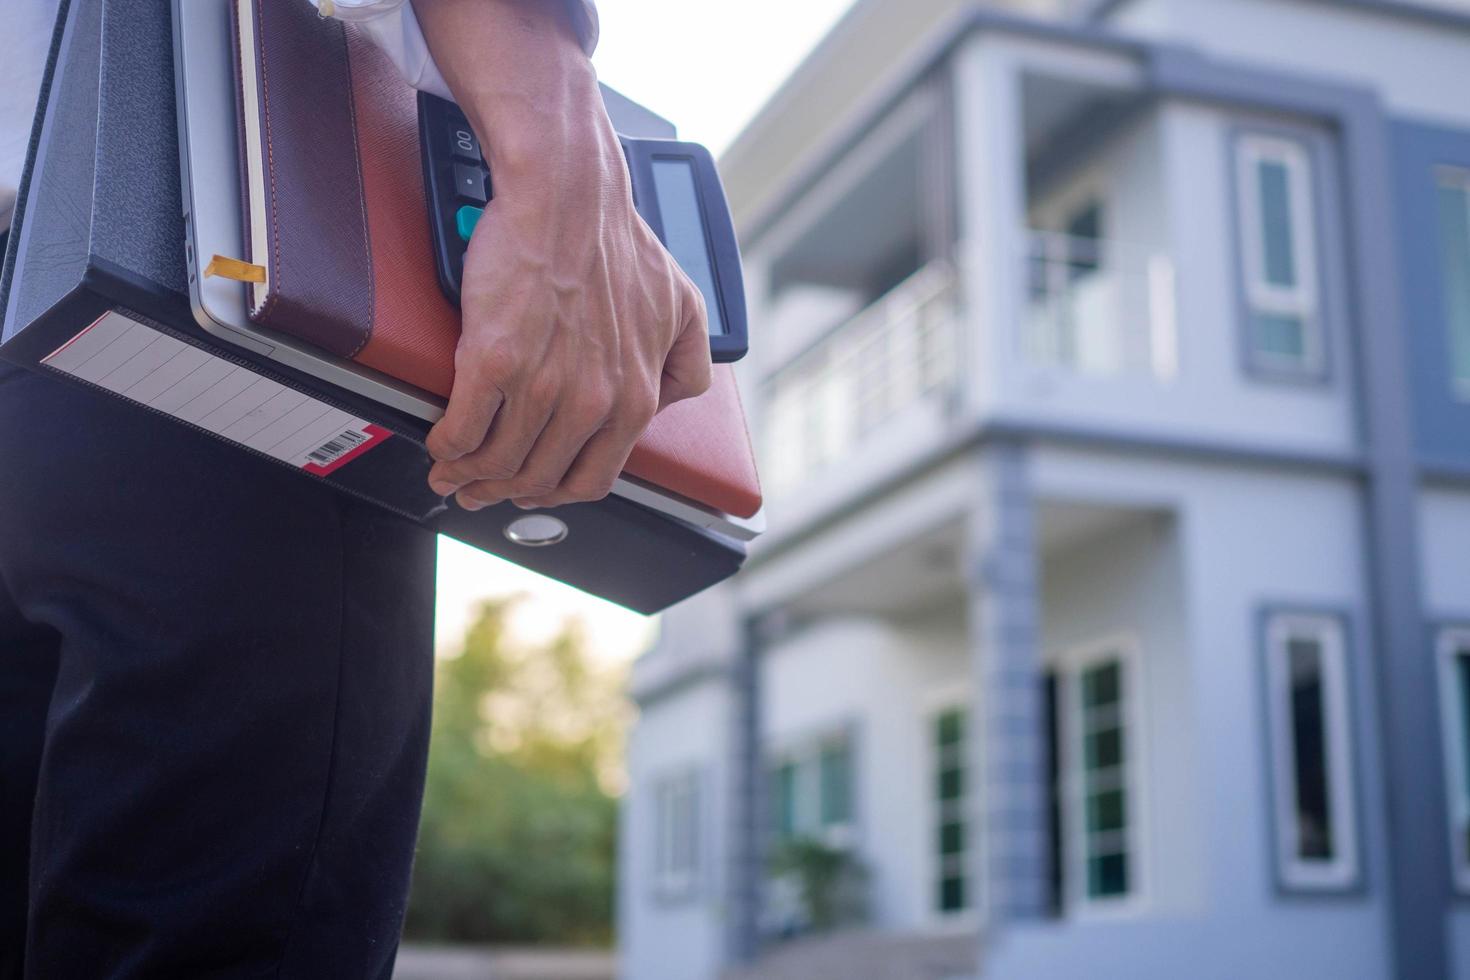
[1099, 307]
[823, 404]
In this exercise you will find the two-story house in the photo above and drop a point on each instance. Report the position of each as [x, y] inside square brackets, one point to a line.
[1112, 384]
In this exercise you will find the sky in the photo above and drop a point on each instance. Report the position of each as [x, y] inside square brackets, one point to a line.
[707, 67]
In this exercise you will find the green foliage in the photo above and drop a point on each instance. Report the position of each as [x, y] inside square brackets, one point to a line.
[519, 827]
[828, 880]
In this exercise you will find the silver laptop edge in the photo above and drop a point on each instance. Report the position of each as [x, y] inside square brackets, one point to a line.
[210, 176]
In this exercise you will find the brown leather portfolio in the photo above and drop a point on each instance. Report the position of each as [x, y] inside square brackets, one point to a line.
[336, 214]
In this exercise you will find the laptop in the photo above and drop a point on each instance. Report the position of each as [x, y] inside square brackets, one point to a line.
[210, 175]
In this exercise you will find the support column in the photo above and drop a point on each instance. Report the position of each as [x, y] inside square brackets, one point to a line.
[1007, 737]
[747, 829]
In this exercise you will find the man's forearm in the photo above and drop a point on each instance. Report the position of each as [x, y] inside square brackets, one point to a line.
[519, 72]
[393, 26]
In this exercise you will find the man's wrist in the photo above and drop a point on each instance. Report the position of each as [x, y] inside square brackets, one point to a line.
[535, 147]
[519, 72]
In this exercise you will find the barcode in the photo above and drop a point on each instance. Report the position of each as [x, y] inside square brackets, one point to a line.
[337, 447]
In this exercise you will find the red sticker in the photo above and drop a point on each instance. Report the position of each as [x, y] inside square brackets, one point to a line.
[344, 447]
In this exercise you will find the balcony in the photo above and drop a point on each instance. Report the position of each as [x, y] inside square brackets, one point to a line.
[858, 377]
[1098, 307]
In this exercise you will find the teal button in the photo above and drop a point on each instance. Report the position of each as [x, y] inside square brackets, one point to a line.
[465, 220]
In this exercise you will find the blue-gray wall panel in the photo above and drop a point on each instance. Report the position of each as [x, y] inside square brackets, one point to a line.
[1441, 418]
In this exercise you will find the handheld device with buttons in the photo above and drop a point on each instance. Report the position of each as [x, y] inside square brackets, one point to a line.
[676, 189]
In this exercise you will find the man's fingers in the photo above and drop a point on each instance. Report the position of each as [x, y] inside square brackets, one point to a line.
[548, 462]
[687, 371]
[472, 406]
[578, 418]
[517, 426]
[600, 463]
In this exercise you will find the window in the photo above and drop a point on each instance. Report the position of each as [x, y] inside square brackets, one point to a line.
[1091, 707]
[676, 845]
[1103, 781]
[834, 771]
[1312, 777]
[1084, 238]
[1454, 236]
[1278, 254]
[952, 826]
[812, 791]
[1454, 689]
[1054, 793]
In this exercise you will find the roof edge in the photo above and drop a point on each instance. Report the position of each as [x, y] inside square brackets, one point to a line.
[947, 38]
[1398, 9]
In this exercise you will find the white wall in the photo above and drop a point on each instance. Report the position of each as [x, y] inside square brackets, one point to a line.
[1167, 183]
[882, 679]
[1126, 582]
[1216, 395]
[1444, 550]
[659, 939]
[1246, 538]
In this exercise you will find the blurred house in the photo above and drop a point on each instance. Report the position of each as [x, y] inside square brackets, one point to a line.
[1113, 390]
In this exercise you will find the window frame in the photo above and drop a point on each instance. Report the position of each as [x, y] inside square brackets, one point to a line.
[1451, 643]
[671, 883]
[1068, 667]
[956, 700]
[1294, 873]
[1305, 300]
[804, 755]
[1447, 175]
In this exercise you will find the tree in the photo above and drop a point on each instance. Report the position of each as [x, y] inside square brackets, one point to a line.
[519, 828]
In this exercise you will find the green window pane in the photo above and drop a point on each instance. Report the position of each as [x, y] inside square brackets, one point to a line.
[836, 777]
[1454, 228]
[949, 728]
[949, 789]
[1107, 875]
[1276, 242]
[1106, 811]
[783, 801]
[1103, 749]
[951, 784]
[1280, 335]
[1102, 685]
[951, 894]
[951, 838]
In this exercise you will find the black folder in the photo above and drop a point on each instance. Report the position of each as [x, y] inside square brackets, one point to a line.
[98, 234]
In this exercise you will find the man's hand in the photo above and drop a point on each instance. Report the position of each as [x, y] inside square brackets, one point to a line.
[578, 326]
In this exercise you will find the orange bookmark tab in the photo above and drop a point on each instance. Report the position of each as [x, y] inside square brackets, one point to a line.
[227, 268]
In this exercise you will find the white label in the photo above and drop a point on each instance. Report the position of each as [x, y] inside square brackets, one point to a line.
[147, 366]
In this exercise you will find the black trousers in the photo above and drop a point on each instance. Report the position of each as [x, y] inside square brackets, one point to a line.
[215, 684]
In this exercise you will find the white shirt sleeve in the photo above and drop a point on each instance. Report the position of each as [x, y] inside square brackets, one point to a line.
[393, 27]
